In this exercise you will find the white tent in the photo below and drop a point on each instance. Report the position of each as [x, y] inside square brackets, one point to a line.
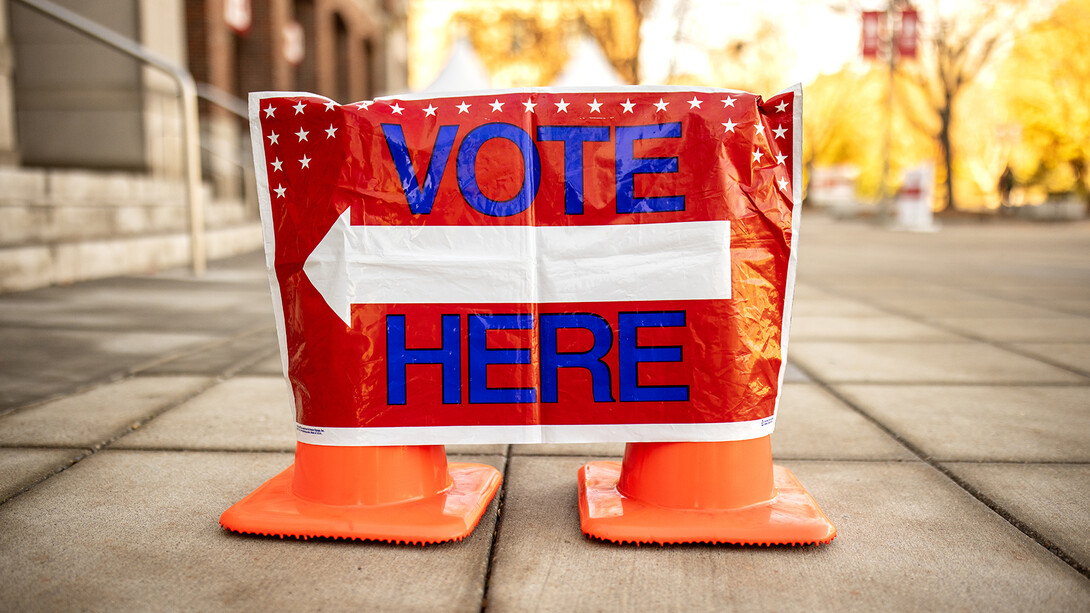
[463, 71]
[588, 67]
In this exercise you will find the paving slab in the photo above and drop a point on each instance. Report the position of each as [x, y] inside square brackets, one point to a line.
[138, 531]
[792, 374]
[922, 362]
[126, 303]
[1075, 355]
[242, 413]
[806, 291]
[976, 307]
[984, 423]
[909, 539]
[478, 450]
[269, 365]
[215, 359]
[91, 418]
[1052, 499]
[605, 450]
[20, 468]
[38, 363]
[1076, 306]
[1015, 329]
[1040, 292]
[900, 291]
[813, 425]
[877, 328]
[833, 307]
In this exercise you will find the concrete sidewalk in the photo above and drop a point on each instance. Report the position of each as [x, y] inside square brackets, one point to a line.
[937, 407]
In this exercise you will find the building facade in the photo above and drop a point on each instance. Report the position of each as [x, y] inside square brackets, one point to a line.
[91, 140]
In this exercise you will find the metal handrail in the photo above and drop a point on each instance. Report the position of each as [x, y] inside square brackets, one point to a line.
[222, 99]
[187, 91]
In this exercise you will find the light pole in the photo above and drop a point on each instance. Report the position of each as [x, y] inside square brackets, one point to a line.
[894, 32]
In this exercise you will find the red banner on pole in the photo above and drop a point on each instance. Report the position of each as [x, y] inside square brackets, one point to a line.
[872, 33]
[529, 266]
[238, 15]
[908, 33]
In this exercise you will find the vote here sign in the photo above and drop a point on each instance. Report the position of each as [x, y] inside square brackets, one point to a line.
[531, 265]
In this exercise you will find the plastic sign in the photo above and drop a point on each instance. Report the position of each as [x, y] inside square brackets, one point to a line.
[530, 265]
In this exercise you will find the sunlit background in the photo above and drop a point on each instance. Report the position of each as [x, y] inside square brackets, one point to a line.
[988, 98]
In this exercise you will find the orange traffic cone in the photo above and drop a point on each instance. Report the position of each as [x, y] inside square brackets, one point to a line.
[398, 494]
[725, 492]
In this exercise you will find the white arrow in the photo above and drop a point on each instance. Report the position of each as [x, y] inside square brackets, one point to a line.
[519, 264]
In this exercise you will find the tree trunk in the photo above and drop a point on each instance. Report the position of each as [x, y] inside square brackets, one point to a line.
[1079, 167]
[945, 115]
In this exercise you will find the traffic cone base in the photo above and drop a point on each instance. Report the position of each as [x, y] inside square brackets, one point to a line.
[705, 502]
[388, 506]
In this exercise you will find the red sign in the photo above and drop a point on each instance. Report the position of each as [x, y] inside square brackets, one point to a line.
[531, 265]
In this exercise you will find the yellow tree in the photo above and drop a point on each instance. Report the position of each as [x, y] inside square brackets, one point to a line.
[1047, 78]
[954, 49]
[843, 125]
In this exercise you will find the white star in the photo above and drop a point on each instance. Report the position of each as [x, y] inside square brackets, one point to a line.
[561, 107]
[396, 108]
[280, 189]
[305, 161]
[594, 106]
[757, 155]
[329, 105]
[780, 158]
[330, 132]
[760, 128]
[627, 104]
[729, 126]
[728, 101]
[302, 134]
[529, 105]
[277, 164]
[695, 103]
[430, 111]
[781, 107]
[496, 105]
[273, 137]
[783, 182]
[463, 107]
[366, 104]
[780, 131]
[299, 108]
[660, 105]
[269, 110]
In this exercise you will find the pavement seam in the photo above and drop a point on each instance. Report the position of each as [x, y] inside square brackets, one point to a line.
[1021, 462]
[133, 371]
[1001, 345]
[984, 293]
[84, 452]
[500, 498]
[211, 382]
[983, 498]
[178, 355]
[94, 449]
